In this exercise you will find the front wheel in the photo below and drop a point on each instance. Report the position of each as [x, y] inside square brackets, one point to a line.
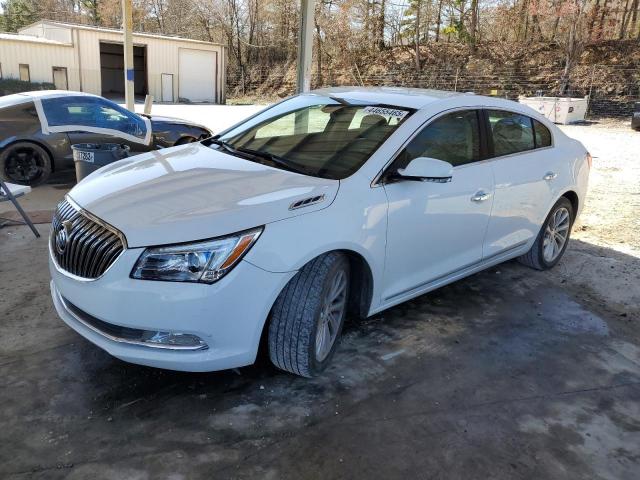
[307, 318]
[553, 238]
[25, 163]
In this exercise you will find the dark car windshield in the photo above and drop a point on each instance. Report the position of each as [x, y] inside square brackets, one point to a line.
[329, 139]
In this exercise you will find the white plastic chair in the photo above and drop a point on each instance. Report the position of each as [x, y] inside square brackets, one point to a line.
[8, 193]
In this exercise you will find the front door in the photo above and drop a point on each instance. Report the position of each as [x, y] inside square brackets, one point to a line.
[437, 229]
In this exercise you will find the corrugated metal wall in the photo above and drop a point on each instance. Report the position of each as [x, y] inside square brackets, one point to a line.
[41, 58]
[162, 57]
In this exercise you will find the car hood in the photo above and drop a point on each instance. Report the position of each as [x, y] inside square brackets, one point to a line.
[159, 120]
[192, 192]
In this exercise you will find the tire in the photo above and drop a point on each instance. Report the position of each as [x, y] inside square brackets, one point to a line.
[25, 163]
[298, 315]
[536, 257]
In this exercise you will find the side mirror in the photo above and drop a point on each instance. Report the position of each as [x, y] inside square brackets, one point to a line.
[428, 170]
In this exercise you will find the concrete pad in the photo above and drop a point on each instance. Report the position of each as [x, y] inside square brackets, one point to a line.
[509, 374]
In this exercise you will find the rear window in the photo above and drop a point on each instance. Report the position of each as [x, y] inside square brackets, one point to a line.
[543, 135]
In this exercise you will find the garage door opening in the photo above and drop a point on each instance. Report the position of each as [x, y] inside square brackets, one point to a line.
[112, 70]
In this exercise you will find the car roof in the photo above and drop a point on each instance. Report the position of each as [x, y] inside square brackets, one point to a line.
[398, 96]
[25, 97]
[417, 98]
[56, 93]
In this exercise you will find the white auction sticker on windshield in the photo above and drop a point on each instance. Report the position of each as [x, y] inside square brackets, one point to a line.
[386, 112]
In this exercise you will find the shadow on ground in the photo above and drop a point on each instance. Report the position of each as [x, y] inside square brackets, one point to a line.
[510, 373]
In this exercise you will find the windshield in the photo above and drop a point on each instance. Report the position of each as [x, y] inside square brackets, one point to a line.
[317, 135]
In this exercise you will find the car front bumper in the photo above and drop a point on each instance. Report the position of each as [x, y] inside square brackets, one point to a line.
[228, 315]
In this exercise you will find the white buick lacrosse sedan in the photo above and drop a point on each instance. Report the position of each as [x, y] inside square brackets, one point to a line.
[340, 202]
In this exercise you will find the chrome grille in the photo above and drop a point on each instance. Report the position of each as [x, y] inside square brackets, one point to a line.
[82, 245]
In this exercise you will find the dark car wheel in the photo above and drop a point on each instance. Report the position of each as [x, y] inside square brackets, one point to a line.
[307, 318]
[25, 163]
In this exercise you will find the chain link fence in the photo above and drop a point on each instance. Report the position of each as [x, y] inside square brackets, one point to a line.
[612, 89]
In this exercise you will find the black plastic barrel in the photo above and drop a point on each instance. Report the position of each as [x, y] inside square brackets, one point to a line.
[89, 157]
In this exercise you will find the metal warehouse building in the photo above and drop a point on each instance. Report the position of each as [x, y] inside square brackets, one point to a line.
[91, 59]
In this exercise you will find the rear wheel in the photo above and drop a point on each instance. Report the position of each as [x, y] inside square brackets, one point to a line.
[25, 163]
[553, 238]
[307, 317]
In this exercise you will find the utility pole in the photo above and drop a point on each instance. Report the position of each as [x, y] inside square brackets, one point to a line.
[127, 27]
[305, 45]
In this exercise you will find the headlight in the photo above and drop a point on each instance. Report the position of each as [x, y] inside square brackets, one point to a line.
[206, 262]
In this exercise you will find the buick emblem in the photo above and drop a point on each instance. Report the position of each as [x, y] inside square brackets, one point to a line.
[62, 236]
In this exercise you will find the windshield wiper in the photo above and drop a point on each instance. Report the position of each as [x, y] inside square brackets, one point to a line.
[272, 157]
[251, 154]
[225, 146]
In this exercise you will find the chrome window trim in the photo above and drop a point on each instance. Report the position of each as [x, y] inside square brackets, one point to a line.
[535, 149]
[376, 180]
[103, 224]
[113, 338]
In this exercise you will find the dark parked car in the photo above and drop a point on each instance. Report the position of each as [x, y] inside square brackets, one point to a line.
[37, 130]
[635, 119]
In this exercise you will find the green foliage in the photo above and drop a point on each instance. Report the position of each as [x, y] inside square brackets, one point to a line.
[458, 29]
[450, 30]
[10, 85]
[17, 14]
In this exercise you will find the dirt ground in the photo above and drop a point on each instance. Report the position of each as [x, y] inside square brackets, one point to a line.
[610, 220]
[508, 374]
[612, 214]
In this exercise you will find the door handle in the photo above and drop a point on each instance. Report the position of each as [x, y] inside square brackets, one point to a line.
[480, 196]
[550, 176]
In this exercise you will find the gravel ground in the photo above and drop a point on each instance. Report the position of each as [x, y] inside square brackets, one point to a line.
[611, 216]
[604, 256]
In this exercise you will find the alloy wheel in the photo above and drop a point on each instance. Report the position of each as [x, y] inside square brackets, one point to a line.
[556, 234]
[331, 313]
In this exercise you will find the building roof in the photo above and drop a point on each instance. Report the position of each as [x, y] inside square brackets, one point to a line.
[80, 26]
[31, 38]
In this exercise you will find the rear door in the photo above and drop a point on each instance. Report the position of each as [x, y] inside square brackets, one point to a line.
[526, 169]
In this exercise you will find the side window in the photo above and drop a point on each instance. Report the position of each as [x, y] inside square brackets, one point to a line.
[511, 132]
[454, 138]
[543, 135]
[92, 112]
